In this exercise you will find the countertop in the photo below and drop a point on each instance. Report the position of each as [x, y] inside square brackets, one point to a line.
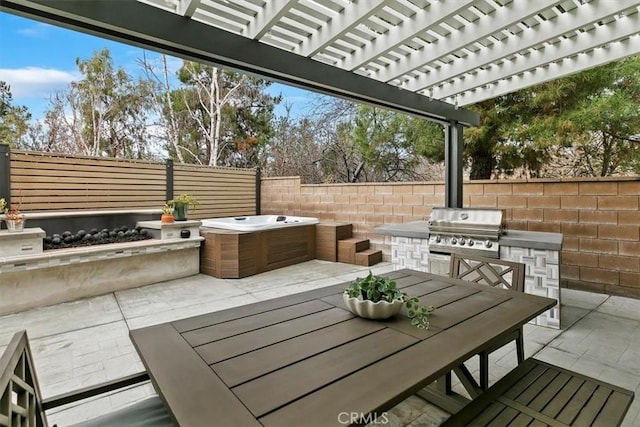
[514, 238]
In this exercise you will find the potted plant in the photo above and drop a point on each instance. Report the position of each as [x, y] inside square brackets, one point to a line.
[3, 206]
[376, 297]
[12, 216]
[181, 206]
[167, 214]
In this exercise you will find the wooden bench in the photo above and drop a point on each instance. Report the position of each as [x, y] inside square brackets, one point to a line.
[539, 394]
[21, 403]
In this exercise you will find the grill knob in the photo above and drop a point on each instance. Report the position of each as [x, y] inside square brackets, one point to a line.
[462, 242]
[438, 239]
[470, 242]
[488, 243]
[454, 241]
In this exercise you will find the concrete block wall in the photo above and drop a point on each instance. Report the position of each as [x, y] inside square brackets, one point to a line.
[599, 218]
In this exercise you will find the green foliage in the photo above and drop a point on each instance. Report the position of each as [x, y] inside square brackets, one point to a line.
[168, 208]
[393, 145]
[14, 120]
[378, 288]
[184, 199]
[586, 124]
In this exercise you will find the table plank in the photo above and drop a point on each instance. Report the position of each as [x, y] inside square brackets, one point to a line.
[388, 382]
[190, 390]
[445, 296]
[233, 313]
[250, 323]
[460, 310]
[249, 341]
[276, 389]
[423, 288]
[251, 365]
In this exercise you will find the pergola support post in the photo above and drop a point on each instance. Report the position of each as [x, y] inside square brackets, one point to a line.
[5, 173]
[258, 191]
[453, 164]
[169, 179]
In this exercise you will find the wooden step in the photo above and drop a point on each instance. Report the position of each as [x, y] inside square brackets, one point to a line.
[327, 236]
[347, 249]
[368, 257]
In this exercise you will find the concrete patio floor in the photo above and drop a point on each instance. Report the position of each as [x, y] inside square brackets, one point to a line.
[86, 342]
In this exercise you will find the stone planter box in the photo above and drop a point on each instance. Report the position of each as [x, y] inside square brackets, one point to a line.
[44, 278]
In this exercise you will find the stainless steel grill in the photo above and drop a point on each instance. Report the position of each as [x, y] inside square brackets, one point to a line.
[466, 231]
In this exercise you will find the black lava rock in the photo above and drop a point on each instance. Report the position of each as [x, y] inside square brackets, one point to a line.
[94, 237]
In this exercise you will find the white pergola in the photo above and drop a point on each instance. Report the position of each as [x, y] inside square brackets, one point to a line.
[457, 51]
[428, 58]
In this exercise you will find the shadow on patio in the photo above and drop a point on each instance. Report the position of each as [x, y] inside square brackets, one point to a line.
[86, 342]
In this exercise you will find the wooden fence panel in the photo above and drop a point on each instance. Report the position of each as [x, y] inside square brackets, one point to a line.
[220, 191]
[43, 182]
[54, 182]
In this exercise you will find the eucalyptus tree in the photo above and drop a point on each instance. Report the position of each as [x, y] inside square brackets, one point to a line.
[165, 119]
[224, 118]
[104, 113]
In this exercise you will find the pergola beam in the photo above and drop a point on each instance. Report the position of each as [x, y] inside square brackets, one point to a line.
[340, 25]
[611, 52]
[272, 12]
[186, 38]
[187, 7]
[399, 35]
[502, 18]
[580, 43]
[577, 18]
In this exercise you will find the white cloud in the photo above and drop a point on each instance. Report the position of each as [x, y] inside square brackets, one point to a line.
[37, 30]
[36, 82]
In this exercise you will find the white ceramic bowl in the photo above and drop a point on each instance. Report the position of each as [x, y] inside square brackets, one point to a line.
[372, 310]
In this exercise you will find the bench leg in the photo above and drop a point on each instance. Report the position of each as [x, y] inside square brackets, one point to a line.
[440, 394]
[484, 359]
[484, 370]
[520, 346]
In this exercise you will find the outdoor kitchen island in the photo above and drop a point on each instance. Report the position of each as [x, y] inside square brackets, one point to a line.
[540, 252]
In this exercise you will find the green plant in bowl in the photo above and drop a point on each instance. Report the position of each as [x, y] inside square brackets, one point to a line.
[378, 289]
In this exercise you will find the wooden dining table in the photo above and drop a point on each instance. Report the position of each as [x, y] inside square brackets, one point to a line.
[304, 359]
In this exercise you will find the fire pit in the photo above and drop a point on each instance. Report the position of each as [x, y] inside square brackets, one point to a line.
[94, 237]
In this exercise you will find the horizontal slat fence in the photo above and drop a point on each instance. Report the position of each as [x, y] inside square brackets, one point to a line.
[54, 182]
[41, 182]
[220, 191]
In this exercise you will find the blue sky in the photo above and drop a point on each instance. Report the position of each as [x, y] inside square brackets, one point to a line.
[37, 59]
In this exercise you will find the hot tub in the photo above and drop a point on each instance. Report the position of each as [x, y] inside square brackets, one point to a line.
[257, 222]
[245, 245]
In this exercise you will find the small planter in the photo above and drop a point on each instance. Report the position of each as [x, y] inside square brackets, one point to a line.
[15, 225]
[166, 218]
[180, 211]
[372, 310]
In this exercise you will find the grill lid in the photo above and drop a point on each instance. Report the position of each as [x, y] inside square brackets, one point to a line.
[481, 222]
[466, 231]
